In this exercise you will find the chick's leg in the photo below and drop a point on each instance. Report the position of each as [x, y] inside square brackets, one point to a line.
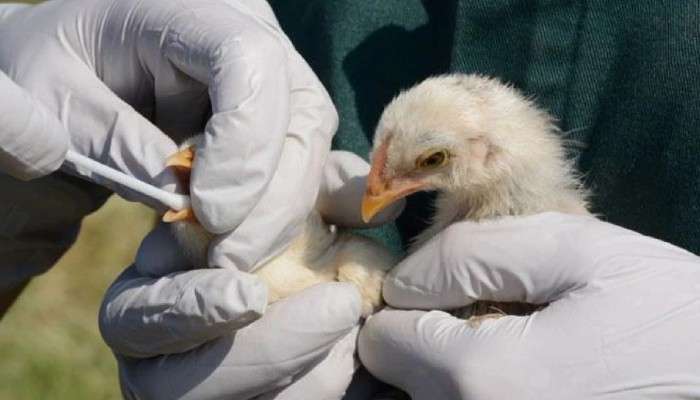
[183, 159]
[364, 263]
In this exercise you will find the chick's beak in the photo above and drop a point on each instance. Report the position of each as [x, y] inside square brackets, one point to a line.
[380, 192]
[372, 204]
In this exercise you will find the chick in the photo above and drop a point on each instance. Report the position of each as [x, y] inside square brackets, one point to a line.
[319, 254]
[484, 147]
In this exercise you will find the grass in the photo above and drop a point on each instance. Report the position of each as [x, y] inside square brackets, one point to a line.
[50, 345]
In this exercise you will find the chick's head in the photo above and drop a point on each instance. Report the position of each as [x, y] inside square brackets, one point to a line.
[463, 135]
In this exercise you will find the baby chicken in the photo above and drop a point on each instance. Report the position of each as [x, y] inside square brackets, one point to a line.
[484, 147]
[319, 254]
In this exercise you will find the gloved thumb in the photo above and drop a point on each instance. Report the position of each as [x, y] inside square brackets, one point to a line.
[160, 254]
[107, 129]
[436, 356]
[533, 259]
[343, 183]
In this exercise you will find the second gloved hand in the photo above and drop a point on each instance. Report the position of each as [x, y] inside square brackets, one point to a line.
[200, 335]
[622, 319]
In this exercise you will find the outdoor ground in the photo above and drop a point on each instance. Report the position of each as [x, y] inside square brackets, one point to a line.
[50, 346]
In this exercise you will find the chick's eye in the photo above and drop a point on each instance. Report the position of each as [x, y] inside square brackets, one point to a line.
[432, 160]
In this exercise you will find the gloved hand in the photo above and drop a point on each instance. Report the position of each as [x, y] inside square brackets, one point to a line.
[32, 141]
[622, 321]
[126, 77]
[201, 334]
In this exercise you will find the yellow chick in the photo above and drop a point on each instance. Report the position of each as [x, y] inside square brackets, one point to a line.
[319, 254]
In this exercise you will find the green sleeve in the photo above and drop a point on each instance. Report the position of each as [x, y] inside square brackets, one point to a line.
[622, 77]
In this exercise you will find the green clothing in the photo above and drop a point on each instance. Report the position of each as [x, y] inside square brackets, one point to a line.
[623, 77]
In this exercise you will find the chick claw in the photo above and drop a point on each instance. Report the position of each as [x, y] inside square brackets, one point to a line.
[181, 162]
[182, 215]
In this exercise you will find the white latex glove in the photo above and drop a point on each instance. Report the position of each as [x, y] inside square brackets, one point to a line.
[32, 141]
[126, 77]
[201, 334]
[622, 322]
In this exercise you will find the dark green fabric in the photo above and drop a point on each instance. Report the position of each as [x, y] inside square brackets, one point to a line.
[623, 77]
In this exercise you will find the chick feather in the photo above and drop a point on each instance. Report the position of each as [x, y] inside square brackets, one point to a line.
[507, 156]
[494, 153]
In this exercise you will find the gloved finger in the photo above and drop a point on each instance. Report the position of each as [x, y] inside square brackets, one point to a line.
[33, 143]
[105, 128]
[7, 9]
[534, 259]
[159, 254]
[342, 186]
[144, 317]
[181, 102]
[327, 380]
[294, 335]
[245, 68]
[283, 209]
[434, 356]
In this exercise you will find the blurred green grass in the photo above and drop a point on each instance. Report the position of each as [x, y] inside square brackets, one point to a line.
[50, 346]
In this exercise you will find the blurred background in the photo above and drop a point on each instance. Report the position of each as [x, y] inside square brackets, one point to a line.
[50, 346]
